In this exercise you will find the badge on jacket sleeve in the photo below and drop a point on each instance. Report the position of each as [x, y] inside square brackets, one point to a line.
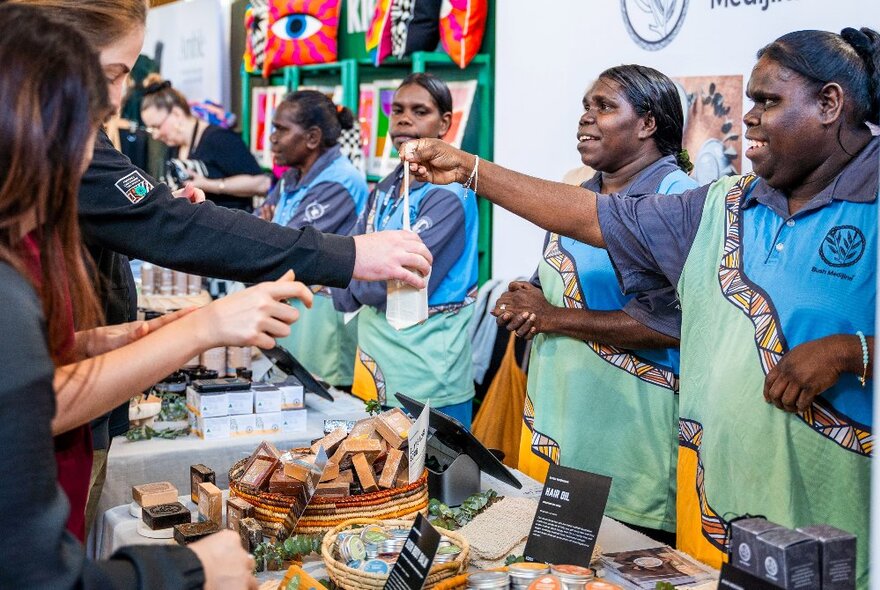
[134, 186]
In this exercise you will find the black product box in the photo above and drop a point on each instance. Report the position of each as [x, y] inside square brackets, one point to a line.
[744, 540]
[837, 556]
[165, 516]
[788, 559]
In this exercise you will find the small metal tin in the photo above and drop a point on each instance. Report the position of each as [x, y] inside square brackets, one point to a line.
[375, 566]
[374, 534]
[391, 546]
[488, 581]
[573, 577]
[523, 574]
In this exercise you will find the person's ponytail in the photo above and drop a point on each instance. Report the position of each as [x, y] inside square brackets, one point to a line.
[866, 43]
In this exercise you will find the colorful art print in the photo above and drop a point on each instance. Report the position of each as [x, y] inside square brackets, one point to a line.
[265, 100]
[366, 117]
[712, 124]
[462, 101]
[647, 566]
[258, 471]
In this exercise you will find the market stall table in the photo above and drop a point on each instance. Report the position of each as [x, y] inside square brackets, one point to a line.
[133, 463]
[119, 528]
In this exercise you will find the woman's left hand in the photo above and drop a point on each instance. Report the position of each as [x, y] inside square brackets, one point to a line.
[807, 370]
[523, 309]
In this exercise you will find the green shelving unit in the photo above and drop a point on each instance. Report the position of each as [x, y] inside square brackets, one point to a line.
[351, 72]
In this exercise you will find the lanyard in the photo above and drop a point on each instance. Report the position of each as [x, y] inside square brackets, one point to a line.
[388, 208]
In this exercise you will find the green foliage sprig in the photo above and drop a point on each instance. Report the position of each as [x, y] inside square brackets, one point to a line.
[271, 556]
[454, 518]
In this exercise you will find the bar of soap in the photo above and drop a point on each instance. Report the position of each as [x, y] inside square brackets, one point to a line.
[251, 532]
[363, 428]
[370, 447]
[199, 474]
[211, 503]
[393, 463]
[165, 516]
[394, 427]
[331, 471]
[402, 478]
[300, 467]
[257, 472]
[281, 483]
[153, 494]
[364, 470]
[345, 475]
[236, 510]
[191, 532]
[330, 442]
[333, 489]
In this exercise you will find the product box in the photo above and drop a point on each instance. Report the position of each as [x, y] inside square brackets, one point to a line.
[294, 421]
[837, 556]
[216, 428]
[292, 395]
[207, 405]
[267, 398]
[240, 402]
[743, 542]
[242, 425]
[269, 423]
[788, 559]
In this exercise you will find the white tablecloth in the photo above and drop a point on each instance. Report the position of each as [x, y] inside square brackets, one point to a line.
[133, 463]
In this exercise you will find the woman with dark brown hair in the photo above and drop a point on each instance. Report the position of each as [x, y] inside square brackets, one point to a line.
[51, 103]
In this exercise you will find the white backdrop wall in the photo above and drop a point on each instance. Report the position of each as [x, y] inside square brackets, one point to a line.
[548, 53]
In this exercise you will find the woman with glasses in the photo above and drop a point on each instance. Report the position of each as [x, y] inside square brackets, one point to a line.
[214, 159]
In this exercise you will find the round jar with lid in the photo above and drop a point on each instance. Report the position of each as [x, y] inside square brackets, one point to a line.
[488, 581]
[573, 577]
[546, 582]
[523, 574]
[600, 585]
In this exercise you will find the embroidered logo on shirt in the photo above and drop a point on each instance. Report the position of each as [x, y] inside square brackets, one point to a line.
[134, 186]
[315, 211]
[422, 224]
[844, 245]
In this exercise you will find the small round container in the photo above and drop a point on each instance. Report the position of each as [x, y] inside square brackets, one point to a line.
[391, 546]
[488, 581]
[600, 585]
[446, 553]
[546, 582]
[374, 534]
[523, 574]
[573, 577]
[399, 533]
[352, 549]
[375, 566]
[372, 550]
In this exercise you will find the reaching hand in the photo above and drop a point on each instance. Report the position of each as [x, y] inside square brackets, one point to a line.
[266, 212]
[253, 317]
[808, 370]
[437, 162]
[190, 192]
[523, 309]
[384, 255]
[227, 566]
[106, 338]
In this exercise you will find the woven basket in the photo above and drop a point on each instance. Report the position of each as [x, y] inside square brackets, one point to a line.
[324, 513]
[353, 579]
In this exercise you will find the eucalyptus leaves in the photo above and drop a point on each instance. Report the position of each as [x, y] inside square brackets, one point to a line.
[454, 518]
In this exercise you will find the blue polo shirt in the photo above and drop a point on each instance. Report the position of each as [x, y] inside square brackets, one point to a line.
[817, 267]
[330, 197]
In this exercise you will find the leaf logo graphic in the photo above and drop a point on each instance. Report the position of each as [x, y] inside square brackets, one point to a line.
[653, 24]
[843, 245]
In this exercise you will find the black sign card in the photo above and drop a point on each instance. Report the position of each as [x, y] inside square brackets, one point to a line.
[414, 563]
[735, 579]
[568, 517]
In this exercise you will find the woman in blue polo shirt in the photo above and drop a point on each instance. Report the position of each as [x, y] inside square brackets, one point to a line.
[322, 189]
[776, 276]
[593, 362]
[430, 361]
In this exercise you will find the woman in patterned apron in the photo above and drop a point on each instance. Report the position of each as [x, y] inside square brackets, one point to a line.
[776, 275]
[593, 362]
[432, 360]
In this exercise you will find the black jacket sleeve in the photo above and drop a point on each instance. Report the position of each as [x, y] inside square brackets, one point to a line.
[37, 550]
[125, 210]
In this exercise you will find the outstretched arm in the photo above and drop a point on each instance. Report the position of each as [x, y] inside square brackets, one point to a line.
[554, 206]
